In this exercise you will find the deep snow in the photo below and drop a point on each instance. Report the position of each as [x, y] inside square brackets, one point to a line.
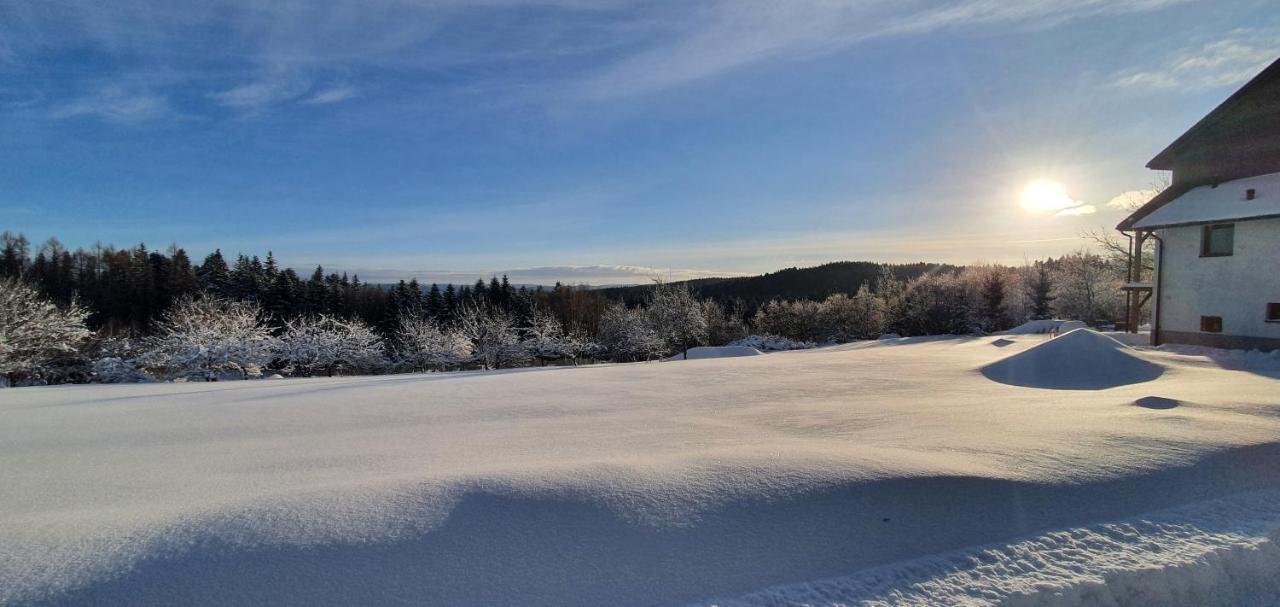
[890, 471]
[702, 352]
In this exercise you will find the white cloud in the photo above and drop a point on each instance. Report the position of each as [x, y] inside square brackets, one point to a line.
[332, 95]
[1084, 209]
[273, 89]
[114, 104]
[644, 46]
[1230, 61]
[733, 34]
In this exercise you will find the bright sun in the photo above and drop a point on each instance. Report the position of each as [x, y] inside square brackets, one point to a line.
[1046, 195]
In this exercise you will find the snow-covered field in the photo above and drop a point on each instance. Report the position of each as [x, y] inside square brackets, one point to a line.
[903, 471]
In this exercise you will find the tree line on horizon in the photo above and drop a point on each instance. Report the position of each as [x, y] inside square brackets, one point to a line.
[135, 314]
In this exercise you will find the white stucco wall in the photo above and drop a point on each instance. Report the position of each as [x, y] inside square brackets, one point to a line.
[1237, 288]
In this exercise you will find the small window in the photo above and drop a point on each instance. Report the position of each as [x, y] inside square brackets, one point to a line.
[1211, 324]
[1250, 194]
[1218, 240]
[1273, 312]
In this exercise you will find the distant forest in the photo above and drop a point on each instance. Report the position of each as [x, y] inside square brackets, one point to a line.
[125, 289]
[815, 283]
[120, 315]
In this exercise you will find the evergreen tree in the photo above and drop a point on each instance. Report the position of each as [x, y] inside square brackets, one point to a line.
[434, 303]
[182, 279]
[270, 269]
[992, 315]
[448, 304]
[214, 274]
[316, 297]
[416, 305]
[1039, 291]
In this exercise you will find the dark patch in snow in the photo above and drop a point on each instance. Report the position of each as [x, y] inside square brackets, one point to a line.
[1157, 402]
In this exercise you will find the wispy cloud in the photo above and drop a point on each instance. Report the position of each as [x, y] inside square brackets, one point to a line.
[730, 35]
[1226, 62]
[269, 90]
[331, 95]
[601, 50]
[1084, 209]
[114, 104]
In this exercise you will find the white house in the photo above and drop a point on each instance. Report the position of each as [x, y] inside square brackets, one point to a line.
[1216, 275]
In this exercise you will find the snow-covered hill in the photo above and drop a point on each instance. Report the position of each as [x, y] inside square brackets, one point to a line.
[897, 471]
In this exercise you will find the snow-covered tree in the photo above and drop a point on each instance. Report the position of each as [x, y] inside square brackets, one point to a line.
[723, 326]
[1086, 287]
[847, 318]
[116, 360]
[625, 334]
[324, 343]
[424, 345]
[800, 320]
[675, 314]
[989, 287]
[115, 370]
[35, 332]
[493, 336]
[937, 304]
[205, 337]
[546, 340]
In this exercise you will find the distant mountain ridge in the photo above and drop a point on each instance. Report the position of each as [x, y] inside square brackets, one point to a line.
[815, 283]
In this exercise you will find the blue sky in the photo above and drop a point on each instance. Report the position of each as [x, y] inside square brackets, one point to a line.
[598, 141]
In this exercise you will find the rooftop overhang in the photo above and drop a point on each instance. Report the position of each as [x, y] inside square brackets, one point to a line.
[1237, 200]
[1165, 160]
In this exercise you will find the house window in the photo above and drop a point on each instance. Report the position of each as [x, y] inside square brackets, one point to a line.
[1217, 240]
[1211, 324]
[1273, 312]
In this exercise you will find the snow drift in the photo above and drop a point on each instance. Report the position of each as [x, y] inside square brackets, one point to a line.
[701, 352]
[771, 343]
[1078, 360]
[816, 472]
[1072, 325]
[1041, 327]
[1036, 327]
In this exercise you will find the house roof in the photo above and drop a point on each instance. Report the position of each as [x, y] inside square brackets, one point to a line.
[1217, 121]
[1210, 204]
[1164, 160]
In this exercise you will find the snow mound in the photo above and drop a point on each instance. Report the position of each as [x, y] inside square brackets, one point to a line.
[716, 352]
[1072, 325]
[1036, 327]
[1080, 360]
[771, 343]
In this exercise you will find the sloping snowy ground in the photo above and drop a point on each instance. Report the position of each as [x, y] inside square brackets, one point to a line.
[889, 472]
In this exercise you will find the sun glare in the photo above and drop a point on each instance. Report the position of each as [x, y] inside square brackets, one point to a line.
[1046, 195]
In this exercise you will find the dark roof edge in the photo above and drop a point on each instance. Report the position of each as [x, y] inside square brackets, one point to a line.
[1164, 161]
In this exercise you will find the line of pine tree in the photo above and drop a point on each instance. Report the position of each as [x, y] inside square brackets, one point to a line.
[126, 288]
